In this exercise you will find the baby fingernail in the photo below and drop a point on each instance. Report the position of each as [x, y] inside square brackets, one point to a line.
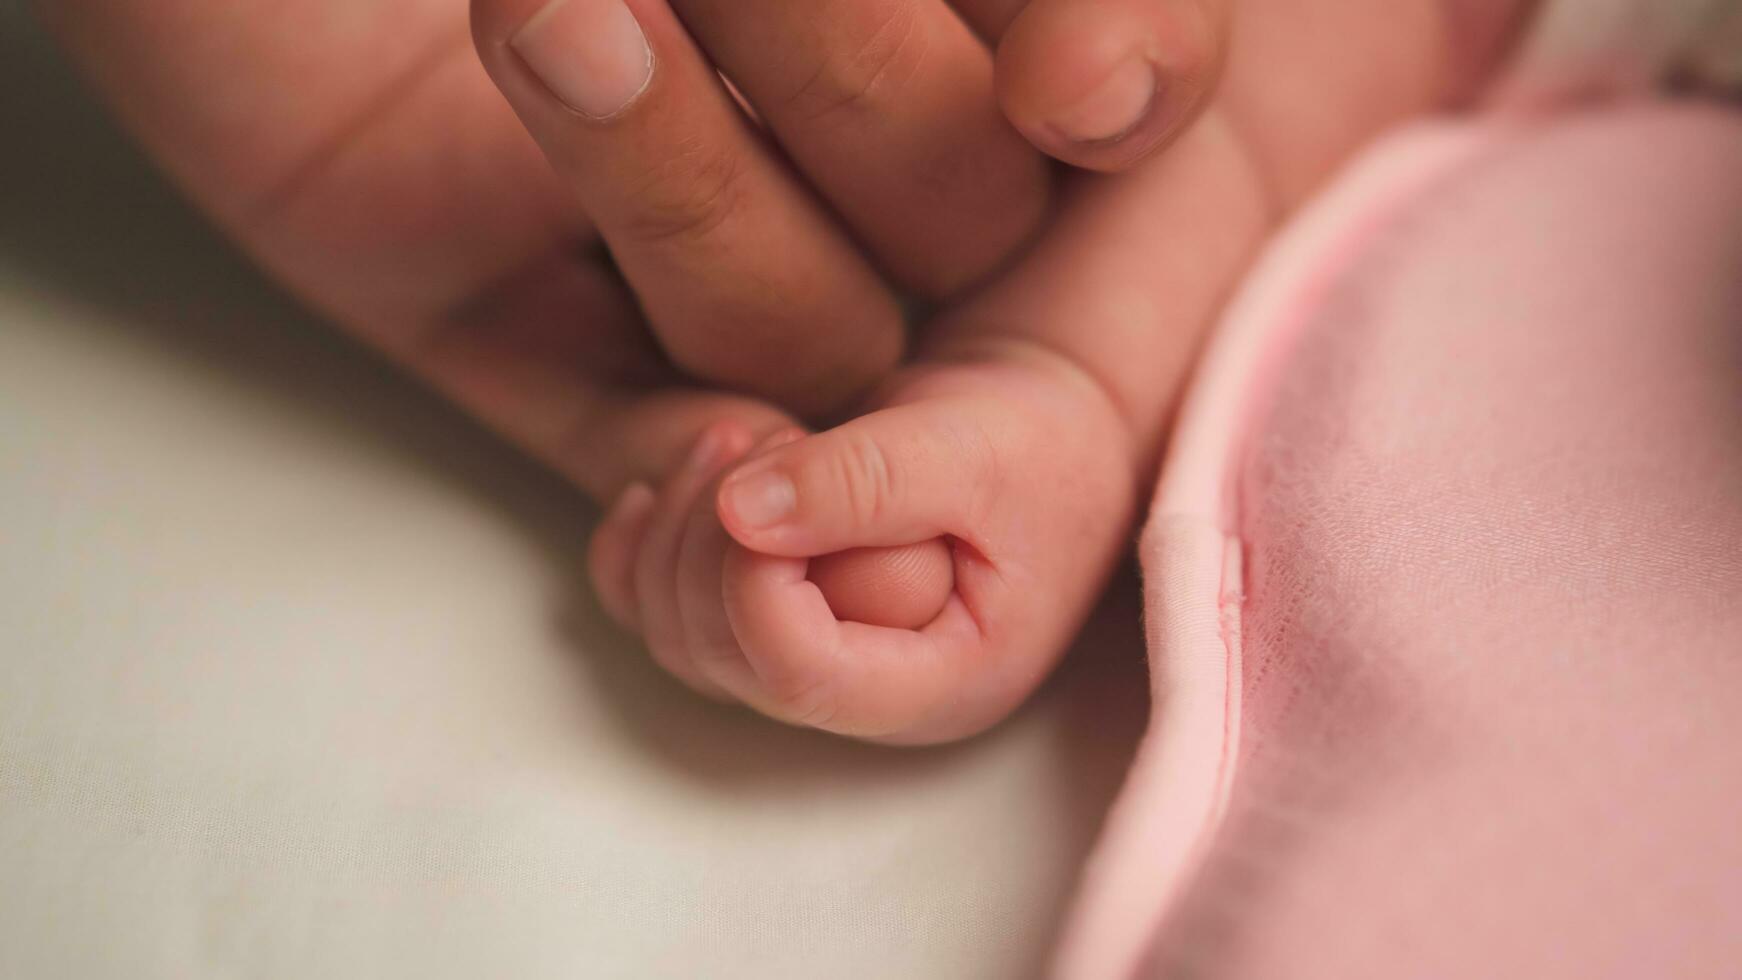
[1112, 110]
[761, 499]
[711, 448]
[635, 500]
[590, 53]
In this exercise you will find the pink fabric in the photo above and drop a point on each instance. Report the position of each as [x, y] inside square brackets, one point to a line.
[1458, 500]
[1191, 558]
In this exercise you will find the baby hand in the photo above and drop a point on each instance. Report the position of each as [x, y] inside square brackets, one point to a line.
[909, 576]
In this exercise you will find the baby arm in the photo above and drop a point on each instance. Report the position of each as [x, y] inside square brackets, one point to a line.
[1022, 438]
[1005, 466]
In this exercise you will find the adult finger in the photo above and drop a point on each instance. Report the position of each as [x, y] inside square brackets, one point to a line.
[887, 107]
[744, 277]
[1102, 84]
[557, 360]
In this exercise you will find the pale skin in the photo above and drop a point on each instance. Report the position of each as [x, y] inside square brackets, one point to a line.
[354, 148]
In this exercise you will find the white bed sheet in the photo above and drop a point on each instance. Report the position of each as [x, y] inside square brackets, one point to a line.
[299, 675]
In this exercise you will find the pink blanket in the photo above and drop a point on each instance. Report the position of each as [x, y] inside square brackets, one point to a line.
[1444, 580]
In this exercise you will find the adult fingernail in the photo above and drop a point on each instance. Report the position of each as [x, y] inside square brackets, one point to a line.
[759, 500]
[591, 54]
[1114, 108]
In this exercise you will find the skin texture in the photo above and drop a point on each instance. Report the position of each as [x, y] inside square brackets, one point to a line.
[894, 121]
[903, 587]
[1024, 434]
[360, 152]
[363, 152]
[1022, 438]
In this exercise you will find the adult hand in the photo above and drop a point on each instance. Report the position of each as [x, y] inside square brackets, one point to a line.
[358, 151]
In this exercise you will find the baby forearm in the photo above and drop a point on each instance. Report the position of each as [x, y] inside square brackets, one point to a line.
[1120, 291]
[1140, 265]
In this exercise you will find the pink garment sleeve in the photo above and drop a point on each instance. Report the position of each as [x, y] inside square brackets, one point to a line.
[1565, 824]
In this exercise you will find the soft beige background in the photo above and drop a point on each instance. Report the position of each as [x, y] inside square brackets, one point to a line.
[299, 676]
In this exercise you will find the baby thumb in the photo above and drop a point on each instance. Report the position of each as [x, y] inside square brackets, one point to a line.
[895, 477]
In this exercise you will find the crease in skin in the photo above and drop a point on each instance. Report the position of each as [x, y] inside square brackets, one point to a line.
[965, 558]
[406, 335]
[902, 18]
[1032, 352]
[389, 97]
[903, 587]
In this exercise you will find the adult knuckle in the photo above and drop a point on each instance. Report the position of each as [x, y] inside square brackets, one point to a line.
[879, 54]
[688, 195]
